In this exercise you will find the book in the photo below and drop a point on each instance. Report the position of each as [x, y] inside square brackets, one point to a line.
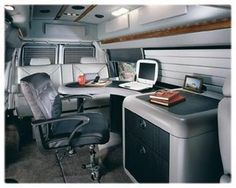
[165, 95]
[177, 99]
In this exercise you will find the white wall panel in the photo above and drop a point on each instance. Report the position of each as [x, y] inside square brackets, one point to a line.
[152, 13]
[117, 24]
[199, 61]
[214, 53]
[65, 30]
[213, 65]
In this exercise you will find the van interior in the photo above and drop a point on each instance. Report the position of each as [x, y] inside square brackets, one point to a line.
[97, 93]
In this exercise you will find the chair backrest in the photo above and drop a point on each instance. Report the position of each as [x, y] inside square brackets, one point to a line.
[224, 129]
[41, 95]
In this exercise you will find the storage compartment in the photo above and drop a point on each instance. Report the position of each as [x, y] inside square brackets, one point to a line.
[146, 150]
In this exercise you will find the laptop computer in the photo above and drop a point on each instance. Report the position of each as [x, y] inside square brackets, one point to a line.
[147, 74]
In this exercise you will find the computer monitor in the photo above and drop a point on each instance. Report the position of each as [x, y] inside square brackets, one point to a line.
[147, 71]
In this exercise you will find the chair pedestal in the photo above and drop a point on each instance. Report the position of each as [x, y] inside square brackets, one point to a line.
[93, 166]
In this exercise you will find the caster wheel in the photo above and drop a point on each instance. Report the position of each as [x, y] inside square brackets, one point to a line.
[93, 176]
[83, 166]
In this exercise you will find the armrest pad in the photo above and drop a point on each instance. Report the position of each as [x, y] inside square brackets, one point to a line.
[86, 97]
[53, 120]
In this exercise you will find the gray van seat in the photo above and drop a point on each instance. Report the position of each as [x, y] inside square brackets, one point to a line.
[60, 74]
[224, 129]
[53, 70]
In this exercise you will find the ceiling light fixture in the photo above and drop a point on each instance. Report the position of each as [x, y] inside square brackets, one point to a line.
[120, 12]
[9, 7]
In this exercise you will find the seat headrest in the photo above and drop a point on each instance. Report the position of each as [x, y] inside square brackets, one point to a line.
[227, 87]
[40, 61]
[84, 60]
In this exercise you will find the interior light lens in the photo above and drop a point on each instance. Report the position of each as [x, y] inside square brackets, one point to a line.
[9, 7]
[120, 12]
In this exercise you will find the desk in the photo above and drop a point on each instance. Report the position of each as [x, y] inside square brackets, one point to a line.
[113, 88]
[112, 91]
[171, 144]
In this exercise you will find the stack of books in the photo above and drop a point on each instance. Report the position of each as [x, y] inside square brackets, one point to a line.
[166, 97]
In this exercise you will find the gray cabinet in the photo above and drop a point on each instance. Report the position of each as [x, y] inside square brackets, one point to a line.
[171, 144]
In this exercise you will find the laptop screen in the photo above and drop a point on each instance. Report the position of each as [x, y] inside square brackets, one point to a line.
[147, 71]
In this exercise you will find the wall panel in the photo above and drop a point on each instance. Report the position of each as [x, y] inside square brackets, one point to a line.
[213, 65]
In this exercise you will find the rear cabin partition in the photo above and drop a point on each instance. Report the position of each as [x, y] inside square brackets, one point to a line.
[211, 64]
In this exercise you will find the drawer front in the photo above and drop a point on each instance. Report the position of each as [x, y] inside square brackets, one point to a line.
[143, 164]
[146, 149]
[140, 128]
[162, 143]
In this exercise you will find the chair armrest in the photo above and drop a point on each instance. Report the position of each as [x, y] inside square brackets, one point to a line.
[63, 118]
[84, 119]
[81, 99]
[65, 97]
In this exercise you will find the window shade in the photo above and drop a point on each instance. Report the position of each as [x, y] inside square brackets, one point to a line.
[74, 54]
[30, 52]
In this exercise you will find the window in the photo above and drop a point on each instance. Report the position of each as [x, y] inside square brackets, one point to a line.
[73, 54]
[38, 52]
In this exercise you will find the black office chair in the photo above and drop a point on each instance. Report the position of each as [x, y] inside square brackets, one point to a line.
[57, 133]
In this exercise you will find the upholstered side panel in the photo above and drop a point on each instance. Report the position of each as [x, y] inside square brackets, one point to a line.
[224, 131]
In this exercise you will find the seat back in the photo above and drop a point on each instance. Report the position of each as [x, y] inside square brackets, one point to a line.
[44, 102]
[224, 129]
[41, 95]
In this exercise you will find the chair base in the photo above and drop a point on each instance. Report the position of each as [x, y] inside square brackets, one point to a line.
[93, 166]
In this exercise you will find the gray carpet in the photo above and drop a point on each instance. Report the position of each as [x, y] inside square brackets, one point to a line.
[33, 167]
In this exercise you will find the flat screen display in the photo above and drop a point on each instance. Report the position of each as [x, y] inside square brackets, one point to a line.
[193, 83]
[147, 71]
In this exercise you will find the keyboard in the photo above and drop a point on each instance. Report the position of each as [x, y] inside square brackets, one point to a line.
[135, 86]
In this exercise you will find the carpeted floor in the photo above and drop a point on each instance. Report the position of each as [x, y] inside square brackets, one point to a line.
[31, 166]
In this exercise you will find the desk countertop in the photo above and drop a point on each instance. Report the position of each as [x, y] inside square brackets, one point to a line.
[197, 115]
[113, 88]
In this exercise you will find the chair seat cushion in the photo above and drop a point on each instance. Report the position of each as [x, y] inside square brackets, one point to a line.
[95, 132]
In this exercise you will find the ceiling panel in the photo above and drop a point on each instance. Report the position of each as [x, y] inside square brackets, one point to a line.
[72, 11]
[106, 11]
[51, 11]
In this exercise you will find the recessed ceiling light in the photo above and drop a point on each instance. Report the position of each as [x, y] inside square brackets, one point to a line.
[9, 7]
[77, 7]
[120, 12]
[44, 11]
[99, 16]
[70, 14]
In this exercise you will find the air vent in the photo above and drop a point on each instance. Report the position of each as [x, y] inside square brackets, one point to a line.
[44, 11]
[99, 16]
[78, 7]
